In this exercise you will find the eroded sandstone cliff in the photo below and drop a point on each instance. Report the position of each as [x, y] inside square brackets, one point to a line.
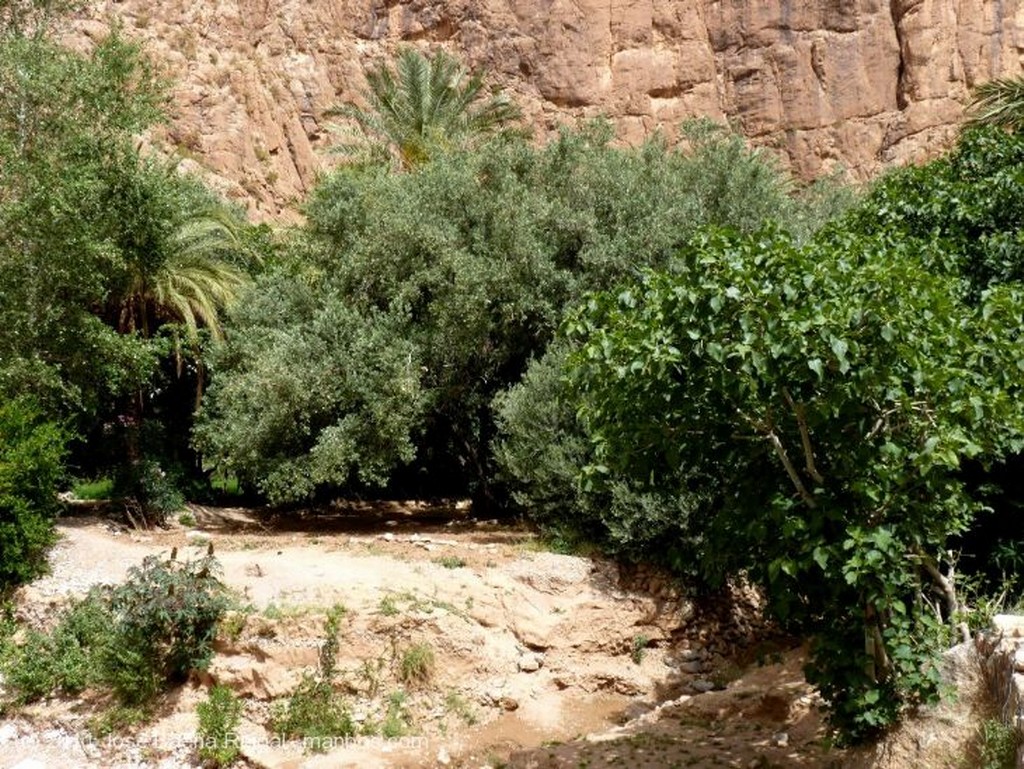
[854, 84]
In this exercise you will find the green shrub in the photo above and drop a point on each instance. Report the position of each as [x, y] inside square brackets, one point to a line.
[157, 491]
[62, 661]
[314, 712]
[627, 519]
[100, 489]
[638, 650]
[792, 383]
[450, 562]
[397, 720]
[116, 719]
[457, 704]
[165, 621]
[135, 638]
[997, 745]
[416, 664]
[31, 465]
[387, 606]
[219, 717]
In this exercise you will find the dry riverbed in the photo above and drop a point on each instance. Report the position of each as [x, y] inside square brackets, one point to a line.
[540, 659]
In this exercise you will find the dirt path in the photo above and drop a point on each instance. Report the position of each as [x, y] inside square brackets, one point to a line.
[532, 650]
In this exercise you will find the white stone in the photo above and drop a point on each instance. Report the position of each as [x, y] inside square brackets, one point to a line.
[443, 758]
[29, 763]
[780, 739]
[1009, 625]
[8, 732]
[530, 662]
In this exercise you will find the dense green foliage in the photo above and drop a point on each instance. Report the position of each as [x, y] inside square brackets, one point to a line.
[414, 299]
[962, 212]
[65, 127]
[316, 393]
[135, 639]
[822, 399]
[32, 453]
[112, 262]
[735, 390]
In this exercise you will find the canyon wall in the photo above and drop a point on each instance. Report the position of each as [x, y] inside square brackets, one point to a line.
[850, 84]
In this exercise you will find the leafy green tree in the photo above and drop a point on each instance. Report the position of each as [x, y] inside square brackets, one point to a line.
[422, 105]
[110, 261]
[962, 211]
[472, 260]
[317, 395]
[825, 397]
[62, 117]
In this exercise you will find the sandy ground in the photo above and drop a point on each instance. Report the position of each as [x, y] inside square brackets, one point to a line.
[541, 660]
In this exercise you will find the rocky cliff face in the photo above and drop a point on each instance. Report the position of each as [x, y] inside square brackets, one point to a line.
[855, 84]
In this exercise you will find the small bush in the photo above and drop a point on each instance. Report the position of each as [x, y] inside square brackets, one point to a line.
[387, 606]
[165, 622]
[315, 713]
[116, 719]
[416, 665]
[233, 623]
[639, 648]
[997, 745]
[62, 661]
[219, 717]
[134, 639]
[157, 491]
[450, 562]
[31, 464]
[397, 720]
[457, 704]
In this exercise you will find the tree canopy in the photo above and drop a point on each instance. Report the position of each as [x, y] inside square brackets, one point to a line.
[824, 398]
[470, 263]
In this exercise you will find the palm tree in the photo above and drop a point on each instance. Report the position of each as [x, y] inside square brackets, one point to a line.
[421, 106]
[192, 283]
[999, 103]
[183, 280]
[196, 279]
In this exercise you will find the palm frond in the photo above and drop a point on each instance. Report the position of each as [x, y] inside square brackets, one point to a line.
[419, 106]
[999, 103]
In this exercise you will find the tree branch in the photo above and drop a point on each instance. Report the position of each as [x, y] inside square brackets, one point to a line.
[768, 431]
[946, 585]
[805, 437]
[780, 451]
